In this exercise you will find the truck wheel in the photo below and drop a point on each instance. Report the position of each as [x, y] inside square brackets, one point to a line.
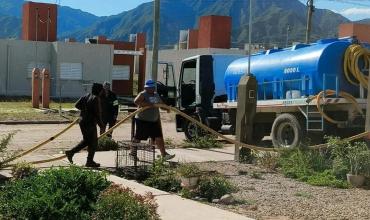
[191, 130]
[286, 131]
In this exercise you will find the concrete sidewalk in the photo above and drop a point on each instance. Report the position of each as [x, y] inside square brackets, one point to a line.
[171, 206]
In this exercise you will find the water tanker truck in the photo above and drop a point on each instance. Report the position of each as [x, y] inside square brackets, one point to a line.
[304, 92]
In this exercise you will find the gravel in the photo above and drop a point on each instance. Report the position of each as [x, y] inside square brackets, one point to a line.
[272, 196]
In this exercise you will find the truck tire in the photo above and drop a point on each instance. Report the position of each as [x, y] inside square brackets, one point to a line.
[191, 130]
[286, 131]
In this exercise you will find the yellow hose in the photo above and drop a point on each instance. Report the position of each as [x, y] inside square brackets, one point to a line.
[352, 71]
[345, 95]
[206, 128]
[42, 143]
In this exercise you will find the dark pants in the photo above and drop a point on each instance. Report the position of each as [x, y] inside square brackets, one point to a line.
[90, 139]
[110, 124]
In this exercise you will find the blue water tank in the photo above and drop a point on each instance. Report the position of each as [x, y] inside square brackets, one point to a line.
[305, 69]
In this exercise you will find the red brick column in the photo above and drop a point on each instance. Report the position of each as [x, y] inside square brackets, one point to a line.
[45, 88]
[35, 88]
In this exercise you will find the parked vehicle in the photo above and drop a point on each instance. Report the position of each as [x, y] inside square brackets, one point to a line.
[288, 81]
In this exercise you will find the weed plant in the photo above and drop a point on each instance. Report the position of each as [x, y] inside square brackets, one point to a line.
[107, 144]
[4, 154]
[163, 177]
[203, 142]
[214, 187]
[23, 170]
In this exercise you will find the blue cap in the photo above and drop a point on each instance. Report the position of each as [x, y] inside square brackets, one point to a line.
[149, 84]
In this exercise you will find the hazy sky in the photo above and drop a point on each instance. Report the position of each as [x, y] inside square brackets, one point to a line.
[352, 9]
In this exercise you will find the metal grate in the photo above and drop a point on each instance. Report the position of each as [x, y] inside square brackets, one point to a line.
[134, 159]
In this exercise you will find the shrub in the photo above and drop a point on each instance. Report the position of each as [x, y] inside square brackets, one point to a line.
[340, 167]
[162, 177]
[356, 157]
[58, 193]
[188, 170]
[122, 203]
[214, 187]
[268, 160]
[23, 170]
[326, 178]
[203, 142]
[187, 193]
[303, 163]
[246, 155]
[295, 163]
[106, 144]
[4, 155]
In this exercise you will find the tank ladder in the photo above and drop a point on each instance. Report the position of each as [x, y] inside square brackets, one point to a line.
[314, 120]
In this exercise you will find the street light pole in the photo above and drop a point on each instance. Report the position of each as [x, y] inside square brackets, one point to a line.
[287, 36]
[156, 20]
[309, 19]
[250, 37]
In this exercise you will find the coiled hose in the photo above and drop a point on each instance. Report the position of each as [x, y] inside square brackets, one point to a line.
[352, 70]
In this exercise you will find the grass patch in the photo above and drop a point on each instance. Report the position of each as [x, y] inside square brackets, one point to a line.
[257, 175]
[311, 166]
[203, 142]
[303, 194]
[22, 110]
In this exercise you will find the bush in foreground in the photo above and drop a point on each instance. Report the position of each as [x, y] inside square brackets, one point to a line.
[122, 203]
[63, 193]
[214, 187]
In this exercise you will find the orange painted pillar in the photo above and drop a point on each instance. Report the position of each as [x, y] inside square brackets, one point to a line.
[35, 88]
[45, 88]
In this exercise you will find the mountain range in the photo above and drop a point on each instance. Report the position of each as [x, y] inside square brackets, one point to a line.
[270, 20]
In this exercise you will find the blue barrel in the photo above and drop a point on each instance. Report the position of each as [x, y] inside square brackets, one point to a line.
[305, 69]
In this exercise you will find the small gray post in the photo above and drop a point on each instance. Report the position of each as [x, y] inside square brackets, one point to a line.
[367, 121]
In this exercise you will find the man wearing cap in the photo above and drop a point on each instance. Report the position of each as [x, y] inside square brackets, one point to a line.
[90, 116]
[109, 105]
[148, 124]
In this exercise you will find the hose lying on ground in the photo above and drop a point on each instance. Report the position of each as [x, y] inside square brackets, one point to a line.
[252, 147]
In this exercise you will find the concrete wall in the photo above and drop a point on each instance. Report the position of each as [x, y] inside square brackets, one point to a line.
[176, 56]
[18, 57]
[96, 59]
[15, 61]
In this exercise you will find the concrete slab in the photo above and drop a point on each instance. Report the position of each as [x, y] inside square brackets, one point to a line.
[172, 206]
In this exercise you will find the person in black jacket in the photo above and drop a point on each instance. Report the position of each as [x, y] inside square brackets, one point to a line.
[109, 105]
[90, 116]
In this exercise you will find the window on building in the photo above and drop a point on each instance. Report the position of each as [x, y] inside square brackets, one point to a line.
[121, 72]
[71, 71]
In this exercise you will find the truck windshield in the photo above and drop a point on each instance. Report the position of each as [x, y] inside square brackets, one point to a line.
[188, 76]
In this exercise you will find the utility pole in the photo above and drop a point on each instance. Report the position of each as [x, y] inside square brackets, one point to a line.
[310, 10]
[287, 36]
[250, 38]
[156, 20]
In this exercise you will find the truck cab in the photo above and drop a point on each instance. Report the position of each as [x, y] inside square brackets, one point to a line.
[201, 84]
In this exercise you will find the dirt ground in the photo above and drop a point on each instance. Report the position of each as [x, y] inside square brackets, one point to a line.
[27, 136]
[272, 196]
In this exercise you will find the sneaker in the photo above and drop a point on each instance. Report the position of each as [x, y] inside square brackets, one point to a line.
[92, 164]
[168, 156]
[69, 155]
